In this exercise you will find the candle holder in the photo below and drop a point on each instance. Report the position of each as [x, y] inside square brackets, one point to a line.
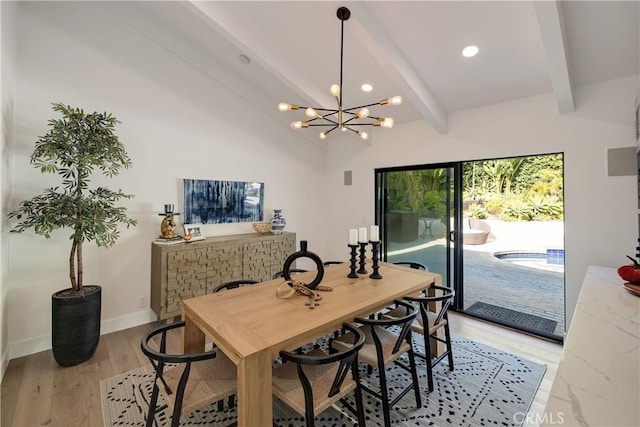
[363, 250]
[375, 246]
[352, 274]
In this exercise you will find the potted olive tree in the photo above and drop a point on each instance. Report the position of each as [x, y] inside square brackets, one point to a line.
[74, 147]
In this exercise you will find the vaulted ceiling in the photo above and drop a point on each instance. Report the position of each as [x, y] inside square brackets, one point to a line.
[272, 51]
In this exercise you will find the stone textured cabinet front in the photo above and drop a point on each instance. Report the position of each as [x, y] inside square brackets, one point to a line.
[186, 270]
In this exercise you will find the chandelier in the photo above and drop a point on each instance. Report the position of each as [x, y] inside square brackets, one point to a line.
[341, 118]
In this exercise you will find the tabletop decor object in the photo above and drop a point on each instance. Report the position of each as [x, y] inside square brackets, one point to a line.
[630, 272]
[375, 250]
[277, 222]
[168, 224]
[193, 232]
[293, 286]
[352, 273]
[262, 227]
[362, 241]
[304, 253]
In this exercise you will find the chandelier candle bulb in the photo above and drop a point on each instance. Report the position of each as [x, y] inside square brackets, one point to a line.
[362, 235]
[375, 233]
[353, 236]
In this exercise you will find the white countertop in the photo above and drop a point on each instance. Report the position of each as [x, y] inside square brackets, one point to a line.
[598, 378]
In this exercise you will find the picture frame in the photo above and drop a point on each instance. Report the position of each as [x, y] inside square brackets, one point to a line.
[195, 230]
[222, 202]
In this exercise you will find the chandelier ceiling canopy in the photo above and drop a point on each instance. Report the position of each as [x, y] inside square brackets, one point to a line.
[345, 119]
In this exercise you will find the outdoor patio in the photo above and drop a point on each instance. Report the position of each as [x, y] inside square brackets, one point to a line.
[532, 287]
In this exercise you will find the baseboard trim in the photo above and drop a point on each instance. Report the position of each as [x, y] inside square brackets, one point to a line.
[43, 343]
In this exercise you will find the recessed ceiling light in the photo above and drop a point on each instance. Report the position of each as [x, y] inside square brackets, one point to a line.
[366, 87]
[470, 51]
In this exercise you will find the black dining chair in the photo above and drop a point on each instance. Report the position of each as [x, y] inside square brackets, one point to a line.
[196, 381]
[387, 339]
[429, 323]
[411, 264]
[291, 271]
[233, 284]
[312, 382]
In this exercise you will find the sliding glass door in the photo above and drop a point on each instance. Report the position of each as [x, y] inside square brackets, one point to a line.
[416, 210]
[493, 229]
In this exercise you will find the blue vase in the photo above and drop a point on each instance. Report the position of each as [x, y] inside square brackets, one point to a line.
[277, 222]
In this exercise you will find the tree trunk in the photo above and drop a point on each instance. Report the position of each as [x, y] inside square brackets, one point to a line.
[72, 267]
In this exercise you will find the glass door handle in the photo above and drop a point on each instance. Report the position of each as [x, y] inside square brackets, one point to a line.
[452, 236]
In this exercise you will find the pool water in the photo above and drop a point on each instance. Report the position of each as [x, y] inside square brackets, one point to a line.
[551, 260]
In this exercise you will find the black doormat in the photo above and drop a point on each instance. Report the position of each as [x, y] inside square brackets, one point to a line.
[513, 318]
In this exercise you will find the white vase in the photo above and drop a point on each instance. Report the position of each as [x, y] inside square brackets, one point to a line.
[277, 222]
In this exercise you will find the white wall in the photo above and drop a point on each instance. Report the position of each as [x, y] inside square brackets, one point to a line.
[600, 211]
[176, 123]
[8, 14]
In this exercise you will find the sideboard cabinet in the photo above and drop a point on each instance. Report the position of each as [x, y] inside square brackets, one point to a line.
[186, 270]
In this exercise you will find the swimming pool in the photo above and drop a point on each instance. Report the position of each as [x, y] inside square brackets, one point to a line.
[552, 259]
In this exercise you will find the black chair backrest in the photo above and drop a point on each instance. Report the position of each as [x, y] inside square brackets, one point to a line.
[411, 264]
[161, 354]
[403, 322]
[347, 356]
[292, 271]
[446, 298]
[233, 284]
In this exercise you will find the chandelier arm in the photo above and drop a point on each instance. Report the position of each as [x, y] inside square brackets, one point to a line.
[361, 124]
[349, 119]
[331, 121]
[323, 124]
[352, 130]
[348, 110]
[332, 110]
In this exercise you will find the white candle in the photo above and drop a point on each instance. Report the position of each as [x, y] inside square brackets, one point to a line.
[353, 236]
[375, 233]
[362, 235]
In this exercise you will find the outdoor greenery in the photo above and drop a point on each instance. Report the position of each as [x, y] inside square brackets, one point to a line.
[517, 189]
[514, 189]
[420, 191]
[74, 147]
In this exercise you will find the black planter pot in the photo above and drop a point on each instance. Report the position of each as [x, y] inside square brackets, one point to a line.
[75, 325]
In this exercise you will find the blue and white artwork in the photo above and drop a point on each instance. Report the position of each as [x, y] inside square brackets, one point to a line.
[219, 202]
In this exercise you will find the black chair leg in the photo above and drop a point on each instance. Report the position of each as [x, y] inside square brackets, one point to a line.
[448, 338]
[414, 377]
[359, 406]
[152, 405]
[427, 358]
[384, 394]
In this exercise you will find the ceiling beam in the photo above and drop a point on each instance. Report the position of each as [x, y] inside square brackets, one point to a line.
[368, 30]
[550, 24]
[216, 16]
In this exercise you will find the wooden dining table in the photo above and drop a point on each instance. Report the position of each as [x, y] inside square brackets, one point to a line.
[251, 324]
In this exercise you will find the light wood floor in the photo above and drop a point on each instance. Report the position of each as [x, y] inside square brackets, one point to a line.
[37, 392]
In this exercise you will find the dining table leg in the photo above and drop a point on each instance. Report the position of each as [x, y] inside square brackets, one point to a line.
[255, 401]
[192, 337]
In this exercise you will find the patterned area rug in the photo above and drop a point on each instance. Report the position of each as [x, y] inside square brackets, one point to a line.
[487, 387]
